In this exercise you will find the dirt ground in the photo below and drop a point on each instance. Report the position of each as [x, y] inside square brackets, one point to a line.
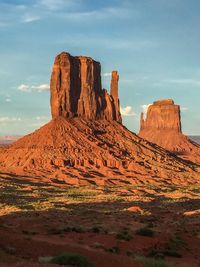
[121, 226]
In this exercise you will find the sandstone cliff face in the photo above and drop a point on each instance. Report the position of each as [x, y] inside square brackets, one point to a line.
[162, 126]
[76, 90]
[162, 115]
[114, 94]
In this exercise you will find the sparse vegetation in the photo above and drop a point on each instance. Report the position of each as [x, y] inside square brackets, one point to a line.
[162, 253]
[171, 249]
[124, 235]
[88, 215]
[113, 249]
[71, 259]
[67, 229]
[96, 229]
[145, 232]
[152, 262]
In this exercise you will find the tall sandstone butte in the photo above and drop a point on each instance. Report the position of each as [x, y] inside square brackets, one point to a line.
[76, 90]
[162, 126]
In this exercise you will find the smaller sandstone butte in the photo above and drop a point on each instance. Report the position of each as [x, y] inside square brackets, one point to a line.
[76, 90]
[162, 115]
[162, 126]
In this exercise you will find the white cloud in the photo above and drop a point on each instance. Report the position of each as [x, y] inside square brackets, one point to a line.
[24, 88]
[9, 119]
[39, 121]
[54, 5]
[145, 109]
[41, 87]
[30, 18]
[33, 88]
[133, 43]
[107, 74]
[8, 100]
[184, 109]
[70, 10]
[127, 111]
[101, 14]
[40, 118]
[193, 82]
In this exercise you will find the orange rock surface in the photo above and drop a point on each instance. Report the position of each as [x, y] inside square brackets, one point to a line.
[162, 126]
[114, 94]
[76, 90]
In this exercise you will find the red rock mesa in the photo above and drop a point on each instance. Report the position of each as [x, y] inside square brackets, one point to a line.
[162, 126]
[85, 142]
[76, 90]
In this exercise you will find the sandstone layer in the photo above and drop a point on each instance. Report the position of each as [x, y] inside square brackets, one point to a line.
[79, 151]
[76, 90]
[162, 126]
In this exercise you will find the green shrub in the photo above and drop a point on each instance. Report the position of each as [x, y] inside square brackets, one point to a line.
[67, 229]
[161, 253]
[68, 259]
[76, 229]
[145, 232]
[114, 249]
[95, 229]
[124, 235]
[72, 259]
[152, 262]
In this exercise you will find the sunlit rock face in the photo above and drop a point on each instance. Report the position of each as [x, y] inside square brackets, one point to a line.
[161, 115]
[162, 126]
[76, 90]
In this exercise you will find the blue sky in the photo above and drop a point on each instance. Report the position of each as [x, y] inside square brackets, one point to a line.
[154, 44]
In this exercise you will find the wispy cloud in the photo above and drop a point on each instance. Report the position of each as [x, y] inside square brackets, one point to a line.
[184, 109]
[107, 74]
[54, 5]
[127, 111]
[101, 13]
[30, 18]
[116, 43]
[39, 121]
[9, 119]
[33, 88]
[40, 88]
[184, 81]
[73, 11]
[8, 100]
[23, 88]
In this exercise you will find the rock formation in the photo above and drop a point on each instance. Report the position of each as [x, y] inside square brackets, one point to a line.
[114, 94]
[77, 151]
[162, 126]
[76, 90]
[163, 115]
[84, 143]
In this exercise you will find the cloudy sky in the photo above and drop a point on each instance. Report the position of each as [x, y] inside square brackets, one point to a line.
[154, 44]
